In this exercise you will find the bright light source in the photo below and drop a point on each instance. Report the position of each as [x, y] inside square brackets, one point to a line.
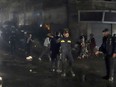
[0, 78]
[41, 25]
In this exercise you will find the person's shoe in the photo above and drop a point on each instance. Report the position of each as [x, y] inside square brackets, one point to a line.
[73, 74]
[111, 79]
[63, 75]
[39, 59]
[29, 58]
[53, 70]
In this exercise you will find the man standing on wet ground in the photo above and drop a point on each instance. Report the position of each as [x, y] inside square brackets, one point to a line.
[66, 54]
[108, 47]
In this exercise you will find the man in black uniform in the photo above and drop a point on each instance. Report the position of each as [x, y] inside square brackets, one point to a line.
[108, 47]
[66, 54]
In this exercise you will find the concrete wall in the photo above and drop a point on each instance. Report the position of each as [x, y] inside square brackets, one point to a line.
[114, 29]
[77, 29]
[96, 29]
[55, 15]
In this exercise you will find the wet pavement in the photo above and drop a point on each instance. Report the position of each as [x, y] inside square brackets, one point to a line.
[16, 71]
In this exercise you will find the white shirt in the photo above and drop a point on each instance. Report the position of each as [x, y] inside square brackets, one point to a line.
[47, 42]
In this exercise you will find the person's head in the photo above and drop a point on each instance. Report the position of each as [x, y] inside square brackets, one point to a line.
[66, 34]
[105, 32]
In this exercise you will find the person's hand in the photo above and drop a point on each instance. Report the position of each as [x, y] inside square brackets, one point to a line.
[97, 53]
[114, 55]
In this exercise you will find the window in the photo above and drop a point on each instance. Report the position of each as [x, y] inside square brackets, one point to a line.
[109, 17]
[107, 0]
[91, 16]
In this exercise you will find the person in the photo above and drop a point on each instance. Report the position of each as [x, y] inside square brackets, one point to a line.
[29, 42]
[83, 47]
[54, 48]
[66, 54]
[47, 47]
[108, 47]
[92, 44]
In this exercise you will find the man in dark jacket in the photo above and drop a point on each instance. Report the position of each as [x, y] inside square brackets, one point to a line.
[54, 48]
[108, 47]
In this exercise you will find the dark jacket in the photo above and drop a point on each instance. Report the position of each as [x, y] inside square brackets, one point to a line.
[54, 45]
[108, 46]
[65, 44]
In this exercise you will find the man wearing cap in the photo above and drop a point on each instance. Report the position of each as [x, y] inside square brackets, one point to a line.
[108, 47]
[66, 54]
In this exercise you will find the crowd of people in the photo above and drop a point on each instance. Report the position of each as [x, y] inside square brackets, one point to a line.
[58, 48]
